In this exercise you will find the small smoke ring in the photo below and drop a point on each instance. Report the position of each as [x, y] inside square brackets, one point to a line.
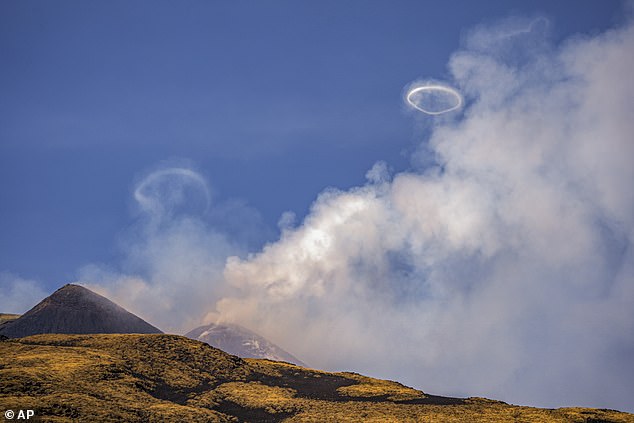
[434, 88]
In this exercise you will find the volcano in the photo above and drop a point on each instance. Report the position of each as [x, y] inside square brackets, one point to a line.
[73, 309]
[240, 341]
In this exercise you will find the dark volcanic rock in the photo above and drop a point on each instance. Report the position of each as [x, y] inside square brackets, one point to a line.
[75, 309]
[240, 341]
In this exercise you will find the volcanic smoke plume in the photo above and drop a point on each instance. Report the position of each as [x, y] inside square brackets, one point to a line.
[507, 268]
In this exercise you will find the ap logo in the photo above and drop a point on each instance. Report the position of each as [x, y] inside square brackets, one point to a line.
[19, 415]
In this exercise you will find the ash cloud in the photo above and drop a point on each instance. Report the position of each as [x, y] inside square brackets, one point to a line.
[507, 269]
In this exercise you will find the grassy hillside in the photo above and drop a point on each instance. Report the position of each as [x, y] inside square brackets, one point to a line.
[157, 378]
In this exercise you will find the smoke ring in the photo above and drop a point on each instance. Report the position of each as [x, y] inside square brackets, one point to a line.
[443, 89]
[148, 203]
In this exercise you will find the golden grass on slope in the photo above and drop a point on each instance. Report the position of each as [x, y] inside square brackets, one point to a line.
[272, 399]
[101, 382]
[369, 387]
[164, 378]
[389, 412]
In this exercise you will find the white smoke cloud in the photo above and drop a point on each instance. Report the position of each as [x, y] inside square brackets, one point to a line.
[505, 271]
[173, 258]
[18, 294]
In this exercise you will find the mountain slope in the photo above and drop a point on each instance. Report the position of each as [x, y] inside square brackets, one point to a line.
[240, 341]
[155, 378]
[75, 309]
[7, 317]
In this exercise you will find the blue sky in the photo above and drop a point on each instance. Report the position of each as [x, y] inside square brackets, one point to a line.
[272, 101]
[256, 163]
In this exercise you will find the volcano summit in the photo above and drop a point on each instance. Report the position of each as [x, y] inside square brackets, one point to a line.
[73, 309]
